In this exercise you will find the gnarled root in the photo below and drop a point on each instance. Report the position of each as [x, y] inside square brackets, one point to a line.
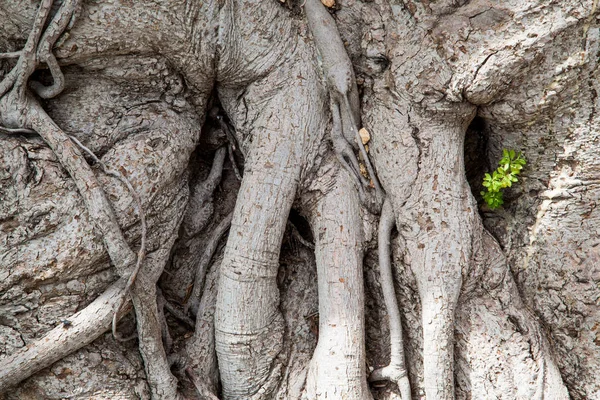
[204, 263]
[345, 103]
[199, 209]
[19, 110]
[83, 328]
[396, 370]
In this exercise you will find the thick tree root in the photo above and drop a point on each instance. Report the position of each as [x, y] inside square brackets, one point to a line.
[345, 103]
[549, 381]
[82, 328]
[200, 349]
[395, 371]
[337, 369]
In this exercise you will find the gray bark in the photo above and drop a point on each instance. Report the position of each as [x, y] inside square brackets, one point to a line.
[492, 304]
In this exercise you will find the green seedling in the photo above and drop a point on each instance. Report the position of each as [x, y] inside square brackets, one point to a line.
[510, 166]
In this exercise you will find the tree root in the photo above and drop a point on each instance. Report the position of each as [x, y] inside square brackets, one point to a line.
[64, 17]
[344, 99]
[233, 144]
[201, 388]
[549, 381]
[8, 56]
[166, 335]
[344, 151]
[83, 328]
[396, 370]
[19, 111]
[142, 215]
[201, 196]
[204, 263]
[179, 314]
[298, 236]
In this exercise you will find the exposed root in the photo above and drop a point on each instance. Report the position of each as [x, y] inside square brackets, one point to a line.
[13, 54]
[396, 370]
[27, 62]
[344, 98]
[85, 326]
[338, 366]
[204, 263]
[163, 385]
[18, 112]
[363, 150]
[394, 374]
[166, 335]
[232, 145]
[202, 390]
[98, 206]
[64, 17]
[296, 235]
[236, 171]
[343, 150]
[141, 214]
[16, 130]
[270, 385]
[179, 314]
[549, 381]
[8, 82]
[201, 195]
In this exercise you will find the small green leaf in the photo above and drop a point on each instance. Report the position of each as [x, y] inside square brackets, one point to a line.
[509, 167]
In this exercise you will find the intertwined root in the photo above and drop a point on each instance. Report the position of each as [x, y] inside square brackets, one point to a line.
[20, 111]
[345, 103]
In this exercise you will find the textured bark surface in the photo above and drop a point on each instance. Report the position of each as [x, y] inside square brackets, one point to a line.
[494, 304]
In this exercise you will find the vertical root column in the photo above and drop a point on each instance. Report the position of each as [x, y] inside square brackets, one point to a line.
[337, 370]
[438, 268]
[438, 350]
[249, 327]
[248, 323]
[249, 360]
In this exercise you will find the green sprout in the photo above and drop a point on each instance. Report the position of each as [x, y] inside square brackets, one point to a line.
[511, 165]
